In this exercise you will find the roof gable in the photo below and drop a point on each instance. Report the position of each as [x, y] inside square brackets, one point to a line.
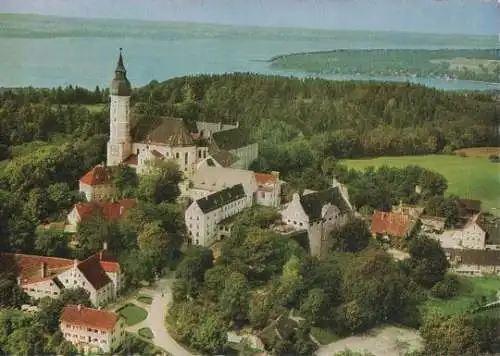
[97, 176]
[313, 203]
[219, 199]
[94, 273]
[94, 318]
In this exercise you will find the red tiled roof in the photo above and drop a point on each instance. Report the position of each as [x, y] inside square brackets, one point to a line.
[89, 317]
[110, 211]
[29, 267]
[92, 270]
[132, 160]
[110, 267]
[265, 180]
[97, 176]
[392, 224]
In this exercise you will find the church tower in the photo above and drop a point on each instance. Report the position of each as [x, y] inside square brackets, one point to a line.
[120, 143]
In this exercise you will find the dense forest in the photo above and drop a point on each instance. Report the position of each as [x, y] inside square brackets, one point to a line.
[467, 64]
[50, 137]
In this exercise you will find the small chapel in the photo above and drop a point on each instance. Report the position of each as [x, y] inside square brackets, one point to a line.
[136, 140]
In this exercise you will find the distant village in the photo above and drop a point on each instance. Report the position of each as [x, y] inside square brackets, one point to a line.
[219, 185]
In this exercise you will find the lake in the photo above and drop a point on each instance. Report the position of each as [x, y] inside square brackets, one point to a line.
[44, 51]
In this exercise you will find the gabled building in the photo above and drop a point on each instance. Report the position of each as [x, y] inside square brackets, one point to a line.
[392, 225]
[268, 189]
[41, 276]
[204, 215]
[318, 213]
[96, 184]
[109, 210]
[473, 262]
[92, 330]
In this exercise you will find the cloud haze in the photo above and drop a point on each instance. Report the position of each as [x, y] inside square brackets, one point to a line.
[445, 16]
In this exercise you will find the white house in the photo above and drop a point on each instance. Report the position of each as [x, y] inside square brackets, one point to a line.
[473, 236]
[204, 215]
[92, 330]
[208, 180]
[318, 213]
[41, 276]
[96, 184]
[135, 140]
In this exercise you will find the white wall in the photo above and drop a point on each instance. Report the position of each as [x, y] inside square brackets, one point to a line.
[473, 237]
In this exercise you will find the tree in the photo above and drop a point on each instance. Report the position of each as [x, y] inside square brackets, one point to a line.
[125, 181]
[234, 298]
[314, 307]
[153, 240]
[453, 336]
[428, 262]
[210, 336]
[193, 267]
[161, 184]
[51, 243]
[137, 267]
[447, 288]
[351, 237]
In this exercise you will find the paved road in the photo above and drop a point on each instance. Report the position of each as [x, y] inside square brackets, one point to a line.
[156, 320]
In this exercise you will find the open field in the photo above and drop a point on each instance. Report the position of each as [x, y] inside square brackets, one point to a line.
[479, 151]
[382, 341]
[471, 289]
[468, 177]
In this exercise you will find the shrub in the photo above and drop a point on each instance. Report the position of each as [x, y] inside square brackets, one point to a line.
[494, 158]
[447, 288]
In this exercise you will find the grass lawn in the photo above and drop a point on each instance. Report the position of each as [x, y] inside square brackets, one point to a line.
[471, 289]
[145, 333]
[324, 336]
[468, 177]
[146, 299]
[132, 314]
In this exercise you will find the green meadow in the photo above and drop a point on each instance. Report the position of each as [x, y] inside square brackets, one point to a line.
[468, 177]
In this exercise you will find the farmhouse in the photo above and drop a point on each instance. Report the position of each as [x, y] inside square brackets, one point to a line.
[318, 213]
[390, 224]
[91, 330]
[138, 140]
[41, 276]
[473, 262]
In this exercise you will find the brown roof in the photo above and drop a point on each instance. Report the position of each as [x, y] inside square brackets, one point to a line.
[265, 181]
[29, 267]
[157, 154]
[110, 211]
[392, 224]
[89, 317]
[97, 176]
[473, 257]
[131, 160]
[169, 131]
[92, 269]
[472, 205]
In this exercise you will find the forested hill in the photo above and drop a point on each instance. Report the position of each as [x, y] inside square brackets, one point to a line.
[345, 119]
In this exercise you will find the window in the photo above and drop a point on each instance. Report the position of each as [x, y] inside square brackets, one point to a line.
[186, 157]
[204, 154]
[199, 153]
[177, 155]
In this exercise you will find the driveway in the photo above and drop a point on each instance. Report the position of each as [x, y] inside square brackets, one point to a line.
[156, 319]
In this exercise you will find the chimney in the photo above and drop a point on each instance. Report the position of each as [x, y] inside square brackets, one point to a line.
[121, 210]
[237, 124]
[43, 269]
[18, 281]
[276, 175]
[75, 263]
[105, 246]
[79, 307]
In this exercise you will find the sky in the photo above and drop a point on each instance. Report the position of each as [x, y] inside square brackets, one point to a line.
[435, 16]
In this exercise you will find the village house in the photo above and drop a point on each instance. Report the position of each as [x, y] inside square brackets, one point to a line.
[268, 189]
[204, 216]
[388, 225]
[137, 141]
[473, 262]
[92, 330]
[480, 232]
[109, 210]
[318, 213]
[41, 276]
[96, 184]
